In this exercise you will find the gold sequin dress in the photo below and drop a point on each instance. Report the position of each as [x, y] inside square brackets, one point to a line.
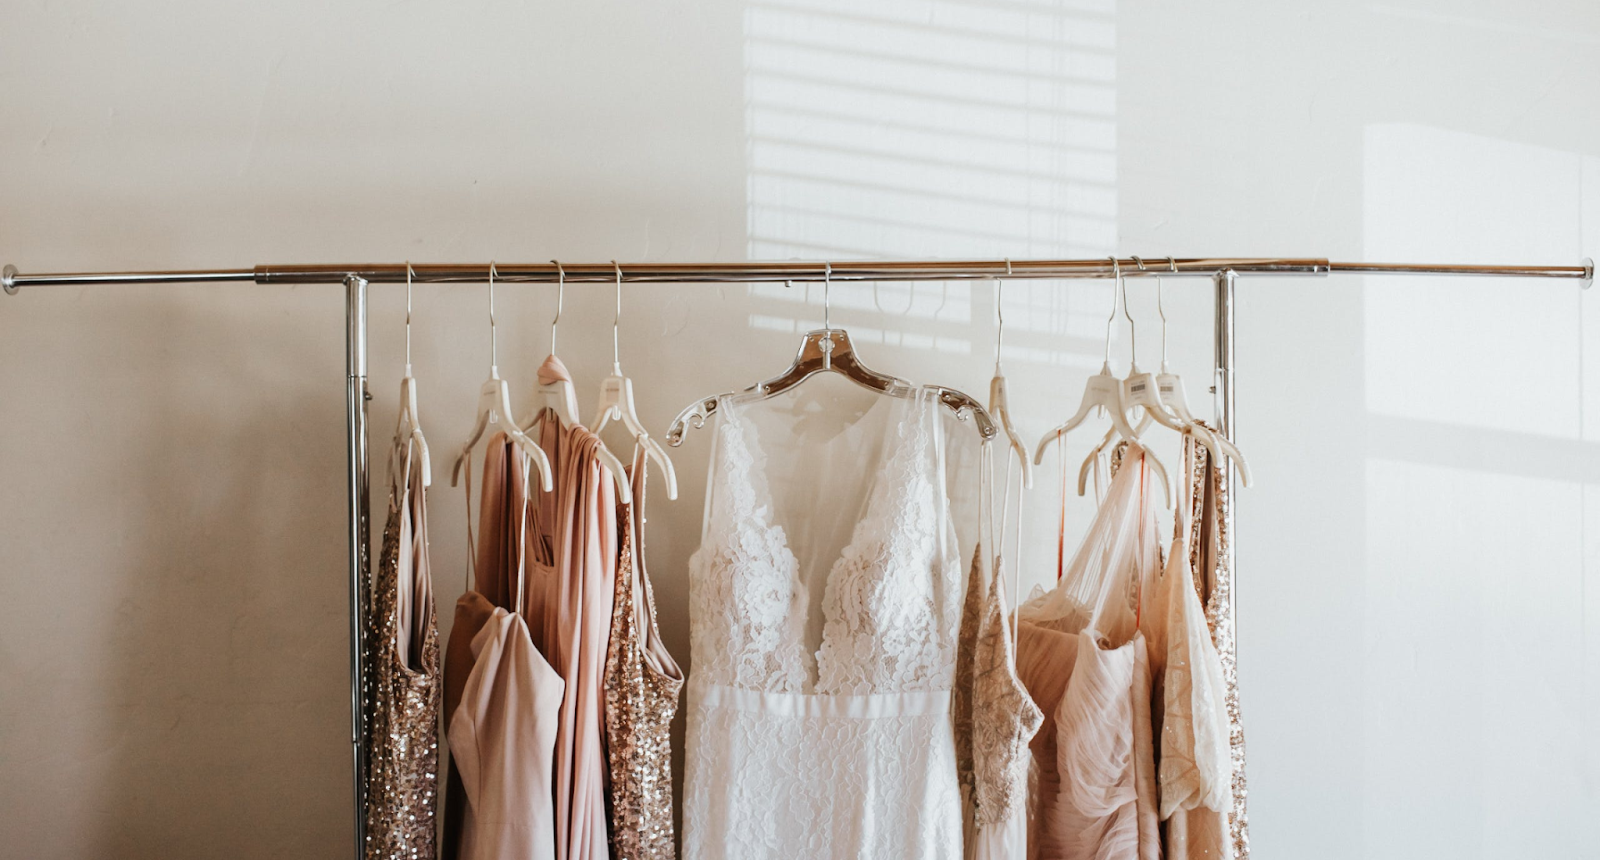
[1211, 556]
[403, 680]
[642, 683]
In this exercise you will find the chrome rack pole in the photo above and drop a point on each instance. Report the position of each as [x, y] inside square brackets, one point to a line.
[776, 271]
[359, 484]
[1225, 567]
[1223, 403]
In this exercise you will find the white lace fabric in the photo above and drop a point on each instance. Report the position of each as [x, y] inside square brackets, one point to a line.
[824, 620]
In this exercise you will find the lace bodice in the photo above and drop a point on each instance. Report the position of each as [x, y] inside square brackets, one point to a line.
[824, 616]
[890, 605]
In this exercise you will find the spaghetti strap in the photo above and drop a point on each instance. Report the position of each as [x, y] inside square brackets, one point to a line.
[472, 550]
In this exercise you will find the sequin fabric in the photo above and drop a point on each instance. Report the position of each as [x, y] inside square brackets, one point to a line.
[994, 716]
[1211, 551]
[640, 701]
[402, 703]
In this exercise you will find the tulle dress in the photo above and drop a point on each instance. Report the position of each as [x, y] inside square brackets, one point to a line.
[1086, 663]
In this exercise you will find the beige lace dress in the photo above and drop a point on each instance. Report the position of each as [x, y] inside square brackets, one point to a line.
[995, 719]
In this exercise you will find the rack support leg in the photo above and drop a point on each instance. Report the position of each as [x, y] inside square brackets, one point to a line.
[355, 293]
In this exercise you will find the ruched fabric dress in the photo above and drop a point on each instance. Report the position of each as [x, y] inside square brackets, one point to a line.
[572, 568]
[502, 696]
[501, 737]
[1086, 663]
[825, 600]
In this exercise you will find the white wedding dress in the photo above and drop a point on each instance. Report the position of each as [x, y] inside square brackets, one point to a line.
[825, 601]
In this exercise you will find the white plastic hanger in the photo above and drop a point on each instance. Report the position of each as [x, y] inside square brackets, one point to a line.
[999, 406]
[561, 399]
[616, 401]
[494, 407]
[1172, 395]
[1104, 391]
[408, 423]
[1140, 390]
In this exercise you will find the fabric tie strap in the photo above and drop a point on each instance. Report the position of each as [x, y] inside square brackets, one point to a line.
[553, 371]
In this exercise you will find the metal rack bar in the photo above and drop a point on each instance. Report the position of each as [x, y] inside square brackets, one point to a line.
[852, 270]
[1223, 272]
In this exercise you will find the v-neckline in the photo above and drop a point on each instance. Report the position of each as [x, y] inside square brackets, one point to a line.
[763, 507]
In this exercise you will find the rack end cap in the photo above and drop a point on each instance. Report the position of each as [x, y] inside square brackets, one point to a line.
[8, 279]
[1586, 283]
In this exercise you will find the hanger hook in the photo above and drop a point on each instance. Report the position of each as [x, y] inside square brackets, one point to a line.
[561, 296]
[1116, 272]
[827, 285]
[494, 346]
[409, 273]
[616, 320]
[1172, 265]
[1133, 341]
[911, 298]
[1000, 310]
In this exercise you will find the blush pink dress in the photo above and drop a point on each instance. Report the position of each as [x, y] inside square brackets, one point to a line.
[502, 716]
[572, 553]
[1086, 663]
[501, 738]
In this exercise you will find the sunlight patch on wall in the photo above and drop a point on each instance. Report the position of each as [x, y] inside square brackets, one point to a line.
[933, 129]
[1477, 631]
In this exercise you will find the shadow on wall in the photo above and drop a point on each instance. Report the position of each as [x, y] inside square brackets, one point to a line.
[984, 131]
[235, 731]
[1478, 464]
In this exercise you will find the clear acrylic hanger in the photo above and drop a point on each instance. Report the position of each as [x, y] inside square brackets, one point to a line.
[616, 402]
[494, 408]
[825, 350]
[408, 423]
[560, 398]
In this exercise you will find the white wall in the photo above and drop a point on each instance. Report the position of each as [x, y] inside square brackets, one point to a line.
[1419, 563]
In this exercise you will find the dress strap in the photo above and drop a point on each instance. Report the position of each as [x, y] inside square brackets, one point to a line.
[642, 599]
[942, 491]
[472, 551]
[522, 532]
[713, 464]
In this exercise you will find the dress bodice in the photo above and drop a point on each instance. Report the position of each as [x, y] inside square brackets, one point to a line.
[890, 606]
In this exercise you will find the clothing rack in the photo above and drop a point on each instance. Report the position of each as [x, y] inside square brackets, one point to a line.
[356, 277]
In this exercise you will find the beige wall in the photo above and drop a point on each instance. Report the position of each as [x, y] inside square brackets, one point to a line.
[1420, 564]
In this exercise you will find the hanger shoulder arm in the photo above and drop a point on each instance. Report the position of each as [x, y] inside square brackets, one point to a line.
[1232, 452]
[1083, 471]
[1161, 475]
[692, 416]
[1014, 439]
[536, 454]
[422, 453]
[613, 467]
[654, 451]
[962, 404]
